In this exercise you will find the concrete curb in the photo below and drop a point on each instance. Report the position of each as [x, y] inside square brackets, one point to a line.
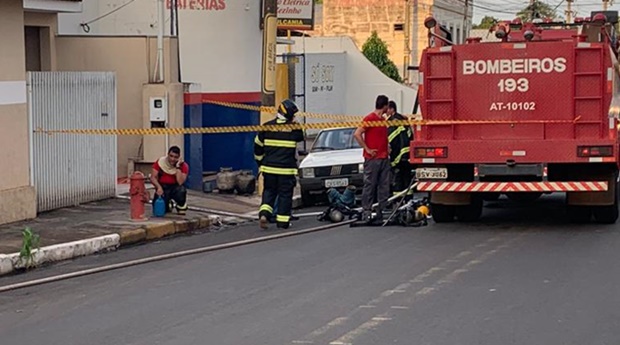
[59, 252]
[69, 250]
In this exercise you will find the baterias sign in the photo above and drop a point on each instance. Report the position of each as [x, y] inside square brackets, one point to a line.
[200, 5]
[296, 14]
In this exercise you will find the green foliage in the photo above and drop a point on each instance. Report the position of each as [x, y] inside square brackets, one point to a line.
[376, 51]
[536, 10]
[486, 22]
[30, 241]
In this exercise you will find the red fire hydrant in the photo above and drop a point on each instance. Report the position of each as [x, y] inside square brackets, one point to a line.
[139, 196]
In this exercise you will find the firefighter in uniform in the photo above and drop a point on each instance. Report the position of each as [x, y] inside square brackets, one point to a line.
[399, 138]
[276, 155]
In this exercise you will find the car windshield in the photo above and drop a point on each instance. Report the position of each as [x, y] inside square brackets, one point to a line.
[336, 139]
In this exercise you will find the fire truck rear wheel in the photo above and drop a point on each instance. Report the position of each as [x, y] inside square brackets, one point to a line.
[579, 214]
[443, 213]
[607, 214]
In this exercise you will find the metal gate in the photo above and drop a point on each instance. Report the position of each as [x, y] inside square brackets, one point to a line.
[296, 78]
[70, 169]
[296, 82]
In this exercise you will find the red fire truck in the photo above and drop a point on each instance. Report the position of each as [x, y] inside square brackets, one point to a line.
[532, 113]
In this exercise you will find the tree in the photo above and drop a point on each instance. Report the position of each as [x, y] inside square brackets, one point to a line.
[376, 51]
[486, 22]
[537, 9]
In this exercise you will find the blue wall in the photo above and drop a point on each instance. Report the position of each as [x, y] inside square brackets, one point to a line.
[234, 150]
[210, 152]
[193, 146]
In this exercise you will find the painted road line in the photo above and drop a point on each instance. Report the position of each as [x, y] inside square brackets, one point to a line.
[418, 279]
[376, 321]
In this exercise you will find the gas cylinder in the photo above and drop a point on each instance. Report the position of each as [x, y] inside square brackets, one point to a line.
[226, 180]
[159, 207]
[246, 183]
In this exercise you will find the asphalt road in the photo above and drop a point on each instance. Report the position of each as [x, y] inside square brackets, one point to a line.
[522, 275]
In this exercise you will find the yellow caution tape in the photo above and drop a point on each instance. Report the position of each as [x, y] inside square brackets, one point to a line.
[284, 127]
[272, 110]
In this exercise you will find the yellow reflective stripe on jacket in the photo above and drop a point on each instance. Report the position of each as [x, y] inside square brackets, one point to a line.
[278, 171]
[259, 158]
[257, 141]
[403, 151]
[283, 219]
[280, 143]
[394, 134]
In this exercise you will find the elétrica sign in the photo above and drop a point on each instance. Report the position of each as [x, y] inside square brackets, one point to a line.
[296, 14]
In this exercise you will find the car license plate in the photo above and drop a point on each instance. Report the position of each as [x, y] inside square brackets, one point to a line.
[335, 183]
[431, 173]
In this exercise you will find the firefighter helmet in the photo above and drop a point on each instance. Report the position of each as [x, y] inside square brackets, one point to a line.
[288, 109]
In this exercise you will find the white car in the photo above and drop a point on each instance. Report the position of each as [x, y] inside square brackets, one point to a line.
[335, 160]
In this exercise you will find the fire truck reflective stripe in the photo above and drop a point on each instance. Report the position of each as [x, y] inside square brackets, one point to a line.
[595, 159]
[428, 160]
[612, 125]
[445, 49]
[569, 186]
[583, 45]
[519, 46]
[421, 78]
[610, 74]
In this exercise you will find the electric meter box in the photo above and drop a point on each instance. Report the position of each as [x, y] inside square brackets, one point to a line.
[158, 109]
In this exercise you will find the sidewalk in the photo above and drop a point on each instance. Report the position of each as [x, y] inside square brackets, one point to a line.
[106, 225]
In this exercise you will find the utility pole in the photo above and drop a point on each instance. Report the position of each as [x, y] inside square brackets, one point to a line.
[465, 15]
[407, 49]
[268, 81]
[569, 11]
[270, 26]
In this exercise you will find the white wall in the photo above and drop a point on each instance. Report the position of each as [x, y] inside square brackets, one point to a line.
[451, 13]
[222, 50]
[363, 81]
[220, 45]
[138, 17]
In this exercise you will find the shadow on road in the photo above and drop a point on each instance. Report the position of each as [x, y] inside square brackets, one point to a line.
[548, 213]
